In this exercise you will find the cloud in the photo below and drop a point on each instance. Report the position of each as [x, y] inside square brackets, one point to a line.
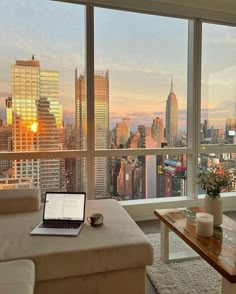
[182, 111]
[139, 64]
[116, 116]
[218, 34]
[4, 94]
[182, 116]
[138, 116]
[159, 113]
[69, 116]
[216, 111]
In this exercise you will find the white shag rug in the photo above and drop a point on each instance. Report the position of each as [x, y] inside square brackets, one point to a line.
[194, 276]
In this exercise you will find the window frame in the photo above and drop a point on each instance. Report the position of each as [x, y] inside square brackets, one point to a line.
[138, 208]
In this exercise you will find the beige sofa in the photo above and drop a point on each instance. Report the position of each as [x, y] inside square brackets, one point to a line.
[17, 277]
[107, 259]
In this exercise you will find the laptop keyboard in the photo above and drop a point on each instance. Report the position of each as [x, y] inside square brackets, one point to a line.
[60, 225]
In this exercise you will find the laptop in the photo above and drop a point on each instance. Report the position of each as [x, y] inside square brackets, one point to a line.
[64, 214]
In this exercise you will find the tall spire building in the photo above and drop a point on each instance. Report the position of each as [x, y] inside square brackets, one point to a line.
[171, 117]
[101, 98]
[36, 122]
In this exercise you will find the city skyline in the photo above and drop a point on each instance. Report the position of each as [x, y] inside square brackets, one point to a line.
[139, 74]
[170, 97]
[35, 93]
[35, 123]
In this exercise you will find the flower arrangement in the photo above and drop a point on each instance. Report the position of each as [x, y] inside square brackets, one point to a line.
[215, 180]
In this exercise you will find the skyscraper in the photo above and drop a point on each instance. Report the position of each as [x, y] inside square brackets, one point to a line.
[171, 117]
[142, 130]
[126, 120]
[36, 122]
[101, 94]
[122, 133]
[8, 110]
[150, 168]
[158, 131]
[230, 130]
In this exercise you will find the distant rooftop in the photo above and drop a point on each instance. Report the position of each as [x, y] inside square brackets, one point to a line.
[32, 62]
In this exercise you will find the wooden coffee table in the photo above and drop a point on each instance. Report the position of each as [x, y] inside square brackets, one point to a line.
[219, 250]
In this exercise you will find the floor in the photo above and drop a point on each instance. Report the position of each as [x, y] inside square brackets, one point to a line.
[152, 227]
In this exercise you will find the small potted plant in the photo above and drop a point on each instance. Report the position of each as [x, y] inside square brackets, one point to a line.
[214, 181]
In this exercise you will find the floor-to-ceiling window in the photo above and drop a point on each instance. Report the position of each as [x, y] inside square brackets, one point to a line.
[134, 137]
[142, 105]
[218, 97]
[42, 65]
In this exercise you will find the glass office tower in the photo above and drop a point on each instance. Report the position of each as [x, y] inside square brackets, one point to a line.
[36, 122]
[101, 92]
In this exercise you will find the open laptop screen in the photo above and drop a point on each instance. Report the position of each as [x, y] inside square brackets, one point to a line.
[64, 206]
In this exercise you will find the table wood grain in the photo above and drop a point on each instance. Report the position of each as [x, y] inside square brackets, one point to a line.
[219, 250]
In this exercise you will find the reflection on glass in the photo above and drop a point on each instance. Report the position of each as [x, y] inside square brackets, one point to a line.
[218, 109]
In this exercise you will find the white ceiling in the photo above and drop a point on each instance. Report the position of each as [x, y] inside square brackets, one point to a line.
[223, 11]
[227, 6]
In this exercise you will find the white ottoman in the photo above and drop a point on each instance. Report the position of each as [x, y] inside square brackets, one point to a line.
[17, 277]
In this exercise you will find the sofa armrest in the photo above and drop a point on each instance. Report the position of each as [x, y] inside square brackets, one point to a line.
[17, 277]
[19, 200]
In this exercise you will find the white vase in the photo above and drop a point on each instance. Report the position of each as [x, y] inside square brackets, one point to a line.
[214, 206]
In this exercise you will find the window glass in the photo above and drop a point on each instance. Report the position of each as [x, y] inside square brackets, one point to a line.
[141, 177]
[218, 97]
[55, 174]
[218, 106]
[140, 79]
[41, 51]
[140, 90]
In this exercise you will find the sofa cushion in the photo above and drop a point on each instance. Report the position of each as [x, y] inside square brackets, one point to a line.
[118, 244]
[19, 200]
[17, 277]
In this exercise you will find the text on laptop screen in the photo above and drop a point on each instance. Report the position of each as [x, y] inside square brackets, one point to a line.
[64, 206]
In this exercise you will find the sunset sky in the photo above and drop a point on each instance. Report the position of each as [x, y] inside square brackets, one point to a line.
[141, 52]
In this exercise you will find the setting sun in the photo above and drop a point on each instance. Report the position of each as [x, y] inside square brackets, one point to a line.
[34, 127]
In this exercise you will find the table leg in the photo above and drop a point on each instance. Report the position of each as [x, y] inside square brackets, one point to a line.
[227, 287]
[168, 256]
[164, 242]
